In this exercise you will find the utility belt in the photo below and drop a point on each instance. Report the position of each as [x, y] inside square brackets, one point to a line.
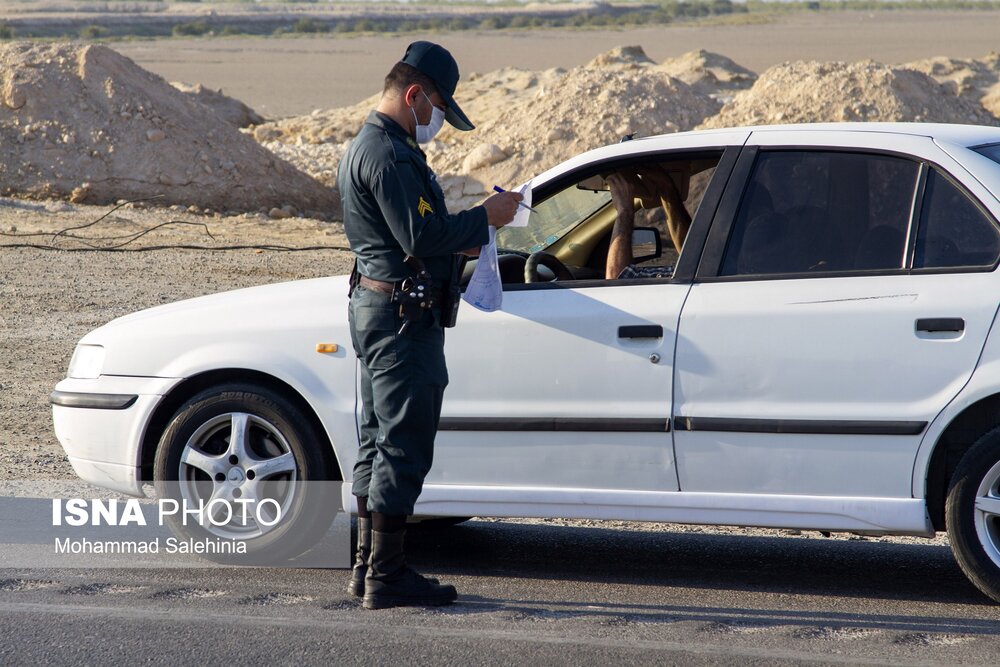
[414, 295]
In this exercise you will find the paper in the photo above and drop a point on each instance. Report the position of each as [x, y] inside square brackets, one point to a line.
[521, 217]
[484, 290]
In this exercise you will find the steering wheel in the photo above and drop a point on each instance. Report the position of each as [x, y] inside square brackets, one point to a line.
[550, 262]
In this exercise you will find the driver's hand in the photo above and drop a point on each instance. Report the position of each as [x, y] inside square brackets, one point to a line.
[501, 207]
[658, 183]
[622, 193]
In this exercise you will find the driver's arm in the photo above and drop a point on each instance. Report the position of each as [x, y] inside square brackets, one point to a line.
[658, 180]
[620, 248]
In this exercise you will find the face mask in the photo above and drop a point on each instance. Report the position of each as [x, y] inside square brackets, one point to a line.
[427, 132]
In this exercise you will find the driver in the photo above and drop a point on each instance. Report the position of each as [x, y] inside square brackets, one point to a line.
[653, 185]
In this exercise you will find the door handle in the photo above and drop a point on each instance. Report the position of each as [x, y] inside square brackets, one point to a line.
[939, 324]
[641, 331]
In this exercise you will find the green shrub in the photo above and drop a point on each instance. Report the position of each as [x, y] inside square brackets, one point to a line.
[721, 7]
[192, 29]
[309, 25]
[93, 32]
[7, 32]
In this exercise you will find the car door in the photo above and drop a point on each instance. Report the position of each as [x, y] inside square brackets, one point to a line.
[567, 387]
[842, 301]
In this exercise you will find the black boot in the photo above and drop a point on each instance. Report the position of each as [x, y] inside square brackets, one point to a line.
[393, 583]
[357, 585]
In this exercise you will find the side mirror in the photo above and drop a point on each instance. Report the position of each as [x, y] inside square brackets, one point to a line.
[646, 244]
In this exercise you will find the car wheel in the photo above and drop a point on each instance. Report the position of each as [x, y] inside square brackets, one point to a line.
[972, 513]
[246, 456]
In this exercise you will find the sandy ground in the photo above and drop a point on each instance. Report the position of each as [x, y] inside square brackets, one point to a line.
[289, 76]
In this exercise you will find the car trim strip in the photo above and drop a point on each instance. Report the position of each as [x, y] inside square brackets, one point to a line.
[75, 399]
[803, 426]
[561, 424]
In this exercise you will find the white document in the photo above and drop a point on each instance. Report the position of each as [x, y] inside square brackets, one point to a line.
[521, 217]
[484, 290]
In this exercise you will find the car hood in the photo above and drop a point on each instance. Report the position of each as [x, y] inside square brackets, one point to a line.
[242, 323]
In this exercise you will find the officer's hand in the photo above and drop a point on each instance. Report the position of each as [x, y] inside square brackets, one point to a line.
[501, 207]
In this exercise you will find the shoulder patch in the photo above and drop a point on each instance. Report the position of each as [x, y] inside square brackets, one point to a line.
[423, 207]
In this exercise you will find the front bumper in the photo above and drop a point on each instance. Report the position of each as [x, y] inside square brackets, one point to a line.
[100, 424]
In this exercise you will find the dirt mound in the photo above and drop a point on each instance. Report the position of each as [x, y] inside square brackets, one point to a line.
[991, 100]
[320, 127]
[230, 109]
[709, 73]
[480, 95]
[622, 56]
[319, 160]
[815, 92]
[87, 123]
[977, 79]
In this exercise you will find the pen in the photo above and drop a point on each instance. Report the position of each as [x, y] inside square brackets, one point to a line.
[497, 188]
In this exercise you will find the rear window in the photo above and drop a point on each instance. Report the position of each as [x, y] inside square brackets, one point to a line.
[992, 152]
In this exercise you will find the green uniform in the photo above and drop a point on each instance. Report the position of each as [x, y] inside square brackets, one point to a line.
[394, 207]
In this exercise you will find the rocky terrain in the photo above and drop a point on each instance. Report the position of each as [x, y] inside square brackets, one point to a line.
[814, 92]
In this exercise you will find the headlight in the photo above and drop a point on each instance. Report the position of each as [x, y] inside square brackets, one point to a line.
[86, 362]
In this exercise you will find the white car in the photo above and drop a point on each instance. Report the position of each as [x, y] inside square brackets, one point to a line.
[821, 357]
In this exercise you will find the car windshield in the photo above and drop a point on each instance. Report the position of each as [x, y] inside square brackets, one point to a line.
[992, 152]
[553, 219]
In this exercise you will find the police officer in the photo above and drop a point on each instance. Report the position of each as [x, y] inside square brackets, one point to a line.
[403, 238]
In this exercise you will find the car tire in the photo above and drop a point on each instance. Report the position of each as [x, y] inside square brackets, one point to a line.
[972, 513]
[197, 460]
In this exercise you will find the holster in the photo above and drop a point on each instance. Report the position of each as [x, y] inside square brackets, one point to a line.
[449, 305]
[354, 280]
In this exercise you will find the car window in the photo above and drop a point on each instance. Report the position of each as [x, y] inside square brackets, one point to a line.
[953, 231]
[552, 219]
[822, 211]
[992, 152]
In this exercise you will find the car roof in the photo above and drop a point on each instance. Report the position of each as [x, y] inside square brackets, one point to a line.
[960, 135]
[963, 135]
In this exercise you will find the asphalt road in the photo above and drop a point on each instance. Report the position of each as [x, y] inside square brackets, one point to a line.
[534, 594]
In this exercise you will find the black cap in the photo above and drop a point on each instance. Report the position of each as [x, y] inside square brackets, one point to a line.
[439, 65]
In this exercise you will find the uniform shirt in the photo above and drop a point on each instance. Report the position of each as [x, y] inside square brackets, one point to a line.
[632, 271]
[393, 207]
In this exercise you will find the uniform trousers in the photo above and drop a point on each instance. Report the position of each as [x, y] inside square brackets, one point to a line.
[402, 382]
